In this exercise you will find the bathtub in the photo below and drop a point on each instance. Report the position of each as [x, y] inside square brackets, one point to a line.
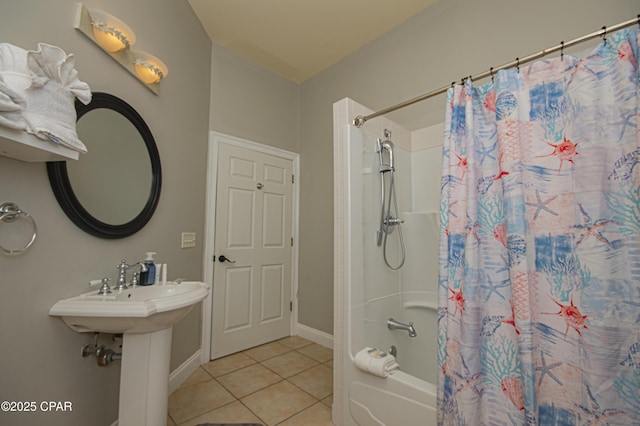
[403, 398]
[367, 293]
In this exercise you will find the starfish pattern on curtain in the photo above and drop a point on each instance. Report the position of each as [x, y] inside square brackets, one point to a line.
[539, 288]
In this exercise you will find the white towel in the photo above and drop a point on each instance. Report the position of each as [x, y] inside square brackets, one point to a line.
[376, 362]
[14, 78]
[11, 107]
[50, 112]
[47, 81]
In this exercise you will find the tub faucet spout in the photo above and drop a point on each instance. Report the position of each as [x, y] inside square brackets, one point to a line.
[397, 325]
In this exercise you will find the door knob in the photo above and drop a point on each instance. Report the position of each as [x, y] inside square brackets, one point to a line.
[223, 258]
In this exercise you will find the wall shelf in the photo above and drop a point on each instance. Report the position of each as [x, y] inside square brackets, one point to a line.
[23, 146]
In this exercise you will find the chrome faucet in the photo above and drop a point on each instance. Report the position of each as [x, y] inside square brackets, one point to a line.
[135, 279]
[105, 289]
[121, 284]
[396, 325]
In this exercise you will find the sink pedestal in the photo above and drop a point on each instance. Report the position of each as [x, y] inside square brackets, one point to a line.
[144, 378]
[145, 316]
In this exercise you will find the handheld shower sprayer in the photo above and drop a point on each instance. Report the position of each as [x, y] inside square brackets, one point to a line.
[386, 164]
[389, 209]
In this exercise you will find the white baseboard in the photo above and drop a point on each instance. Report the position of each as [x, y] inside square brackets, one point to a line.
[182, 373]
[316, 336]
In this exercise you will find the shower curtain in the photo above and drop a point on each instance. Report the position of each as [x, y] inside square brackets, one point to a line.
[539, 288]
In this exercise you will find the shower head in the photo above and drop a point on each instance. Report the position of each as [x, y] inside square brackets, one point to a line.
[387, 146]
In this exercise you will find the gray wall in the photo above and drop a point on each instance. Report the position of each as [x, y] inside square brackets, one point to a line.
[449, 40]
[211, 88]
[250, 102]
[40, 356]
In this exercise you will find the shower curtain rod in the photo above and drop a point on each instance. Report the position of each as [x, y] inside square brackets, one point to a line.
[360, 120]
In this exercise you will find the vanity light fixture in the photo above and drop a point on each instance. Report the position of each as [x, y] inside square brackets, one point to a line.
[149, 68]
[116, 39]
[111, 33]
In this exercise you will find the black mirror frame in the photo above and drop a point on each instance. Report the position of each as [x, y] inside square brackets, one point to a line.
[63, 191]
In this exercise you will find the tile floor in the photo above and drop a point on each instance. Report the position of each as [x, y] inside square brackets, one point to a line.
[288, 382]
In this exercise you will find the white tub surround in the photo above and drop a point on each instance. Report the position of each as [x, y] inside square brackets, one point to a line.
[367, 293]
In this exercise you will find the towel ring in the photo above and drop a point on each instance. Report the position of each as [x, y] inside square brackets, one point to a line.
[10, 212]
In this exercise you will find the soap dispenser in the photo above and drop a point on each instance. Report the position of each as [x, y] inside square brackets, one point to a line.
[148, 277]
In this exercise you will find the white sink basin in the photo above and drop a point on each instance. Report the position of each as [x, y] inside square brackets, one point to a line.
[145, 316]
[140, 309]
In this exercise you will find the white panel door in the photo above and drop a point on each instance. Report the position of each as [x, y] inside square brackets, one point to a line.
[253, 232]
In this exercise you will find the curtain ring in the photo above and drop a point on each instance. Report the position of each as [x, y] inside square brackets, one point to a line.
[491, 74]
[10, 212]
[518, 64]
[562, 50]
[604, 35]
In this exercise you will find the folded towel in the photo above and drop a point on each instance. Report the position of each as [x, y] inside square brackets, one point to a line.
[50, 112]
[11, 107]
[14, 79]
[376, 362]
[52, 63]
[51, 115]
[47, 81]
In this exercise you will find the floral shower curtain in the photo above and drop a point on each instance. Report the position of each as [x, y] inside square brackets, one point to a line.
[539, 298]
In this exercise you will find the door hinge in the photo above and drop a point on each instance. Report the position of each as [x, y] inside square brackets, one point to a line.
[291, 241]
[290, 306]
[293, 178]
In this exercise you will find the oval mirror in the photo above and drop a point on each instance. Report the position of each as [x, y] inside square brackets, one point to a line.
[113, 190]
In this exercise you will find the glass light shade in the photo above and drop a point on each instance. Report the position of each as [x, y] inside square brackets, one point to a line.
[110, 32]
[149, 68]
[108, 41]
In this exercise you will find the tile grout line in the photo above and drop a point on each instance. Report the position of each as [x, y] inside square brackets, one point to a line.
[252, 412]
[285, 379]
[282, 379]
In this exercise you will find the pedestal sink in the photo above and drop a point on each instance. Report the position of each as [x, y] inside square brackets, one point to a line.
[144, 316]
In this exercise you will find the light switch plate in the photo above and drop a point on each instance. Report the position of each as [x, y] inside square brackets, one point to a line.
[188, 239]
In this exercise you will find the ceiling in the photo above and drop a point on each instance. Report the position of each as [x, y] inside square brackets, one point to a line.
[297, 39]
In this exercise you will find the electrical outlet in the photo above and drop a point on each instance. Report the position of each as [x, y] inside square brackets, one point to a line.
[188, 239]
